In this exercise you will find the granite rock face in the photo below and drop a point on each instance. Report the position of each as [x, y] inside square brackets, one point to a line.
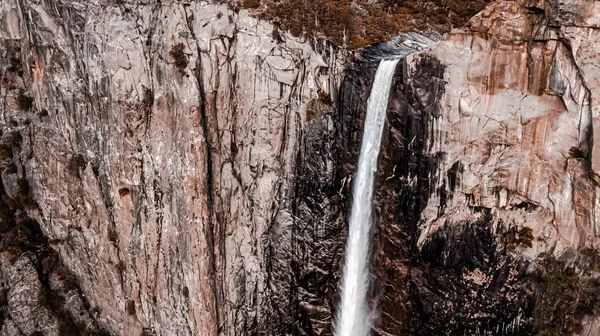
[160, 142]
[489, 180]
[517, 120]
[182, 168]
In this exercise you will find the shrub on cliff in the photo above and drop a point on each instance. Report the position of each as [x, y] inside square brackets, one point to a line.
[251, 3]
[590, 257]
[76, 164]
[179, 56]
[576, 153]
[562, 299]
[359, 23]
[6, 152]
[516, 238]
[130, 307]
[24, 102]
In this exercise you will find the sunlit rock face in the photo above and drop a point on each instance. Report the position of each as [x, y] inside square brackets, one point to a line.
[491, 168]
[517, 122]
[162, 145]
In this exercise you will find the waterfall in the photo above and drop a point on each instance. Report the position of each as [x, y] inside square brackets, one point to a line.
[354, 316]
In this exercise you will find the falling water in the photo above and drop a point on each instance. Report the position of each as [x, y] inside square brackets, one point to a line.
[354, 317]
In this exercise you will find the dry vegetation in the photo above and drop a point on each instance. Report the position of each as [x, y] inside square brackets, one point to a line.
[179, 56]
[576, 153]
[318, 106]
[517, 238]
[24, 102]
[359, 23]
[76, 164]
[563, 297]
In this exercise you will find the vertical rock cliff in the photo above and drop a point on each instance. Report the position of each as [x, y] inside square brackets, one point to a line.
[488, 188]
[157, 148]
[181, 168]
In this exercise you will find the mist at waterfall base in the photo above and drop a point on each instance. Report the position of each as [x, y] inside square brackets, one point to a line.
[354, 316]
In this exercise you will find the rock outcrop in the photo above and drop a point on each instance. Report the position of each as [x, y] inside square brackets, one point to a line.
[517, 119]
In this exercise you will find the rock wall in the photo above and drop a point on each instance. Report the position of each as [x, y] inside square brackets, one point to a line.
[183, 168]
[488, 186]
[518, 117]
[161, 142]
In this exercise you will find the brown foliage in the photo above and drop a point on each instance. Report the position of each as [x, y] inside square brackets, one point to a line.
[562, 299]
[317, 107]
[363, 22]
[25, 236]
[590, 257]
[576, 153]
[308, 18]
[130, 307]
[251, 4]
[76, 164]
[179, 56]
[325, 98]
[67, 278]
[516, 238]
[124, 192]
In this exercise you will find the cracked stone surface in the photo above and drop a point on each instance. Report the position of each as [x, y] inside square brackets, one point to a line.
[519, 101]
[493, 131]
[191, 167]
[166, 189]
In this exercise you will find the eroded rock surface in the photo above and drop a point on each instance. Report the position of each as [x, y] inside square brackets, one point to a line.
[182, 168]
[488, 185]
[160, 141]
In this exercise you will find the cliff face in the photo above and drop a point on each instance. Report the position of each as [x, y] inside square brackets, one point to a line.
[182, 168]
[160, 142]
[517, 119]
[488, 187]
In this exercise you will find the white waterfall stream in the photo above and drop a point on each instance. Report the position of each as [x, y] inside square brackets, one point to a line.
[354, 316]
